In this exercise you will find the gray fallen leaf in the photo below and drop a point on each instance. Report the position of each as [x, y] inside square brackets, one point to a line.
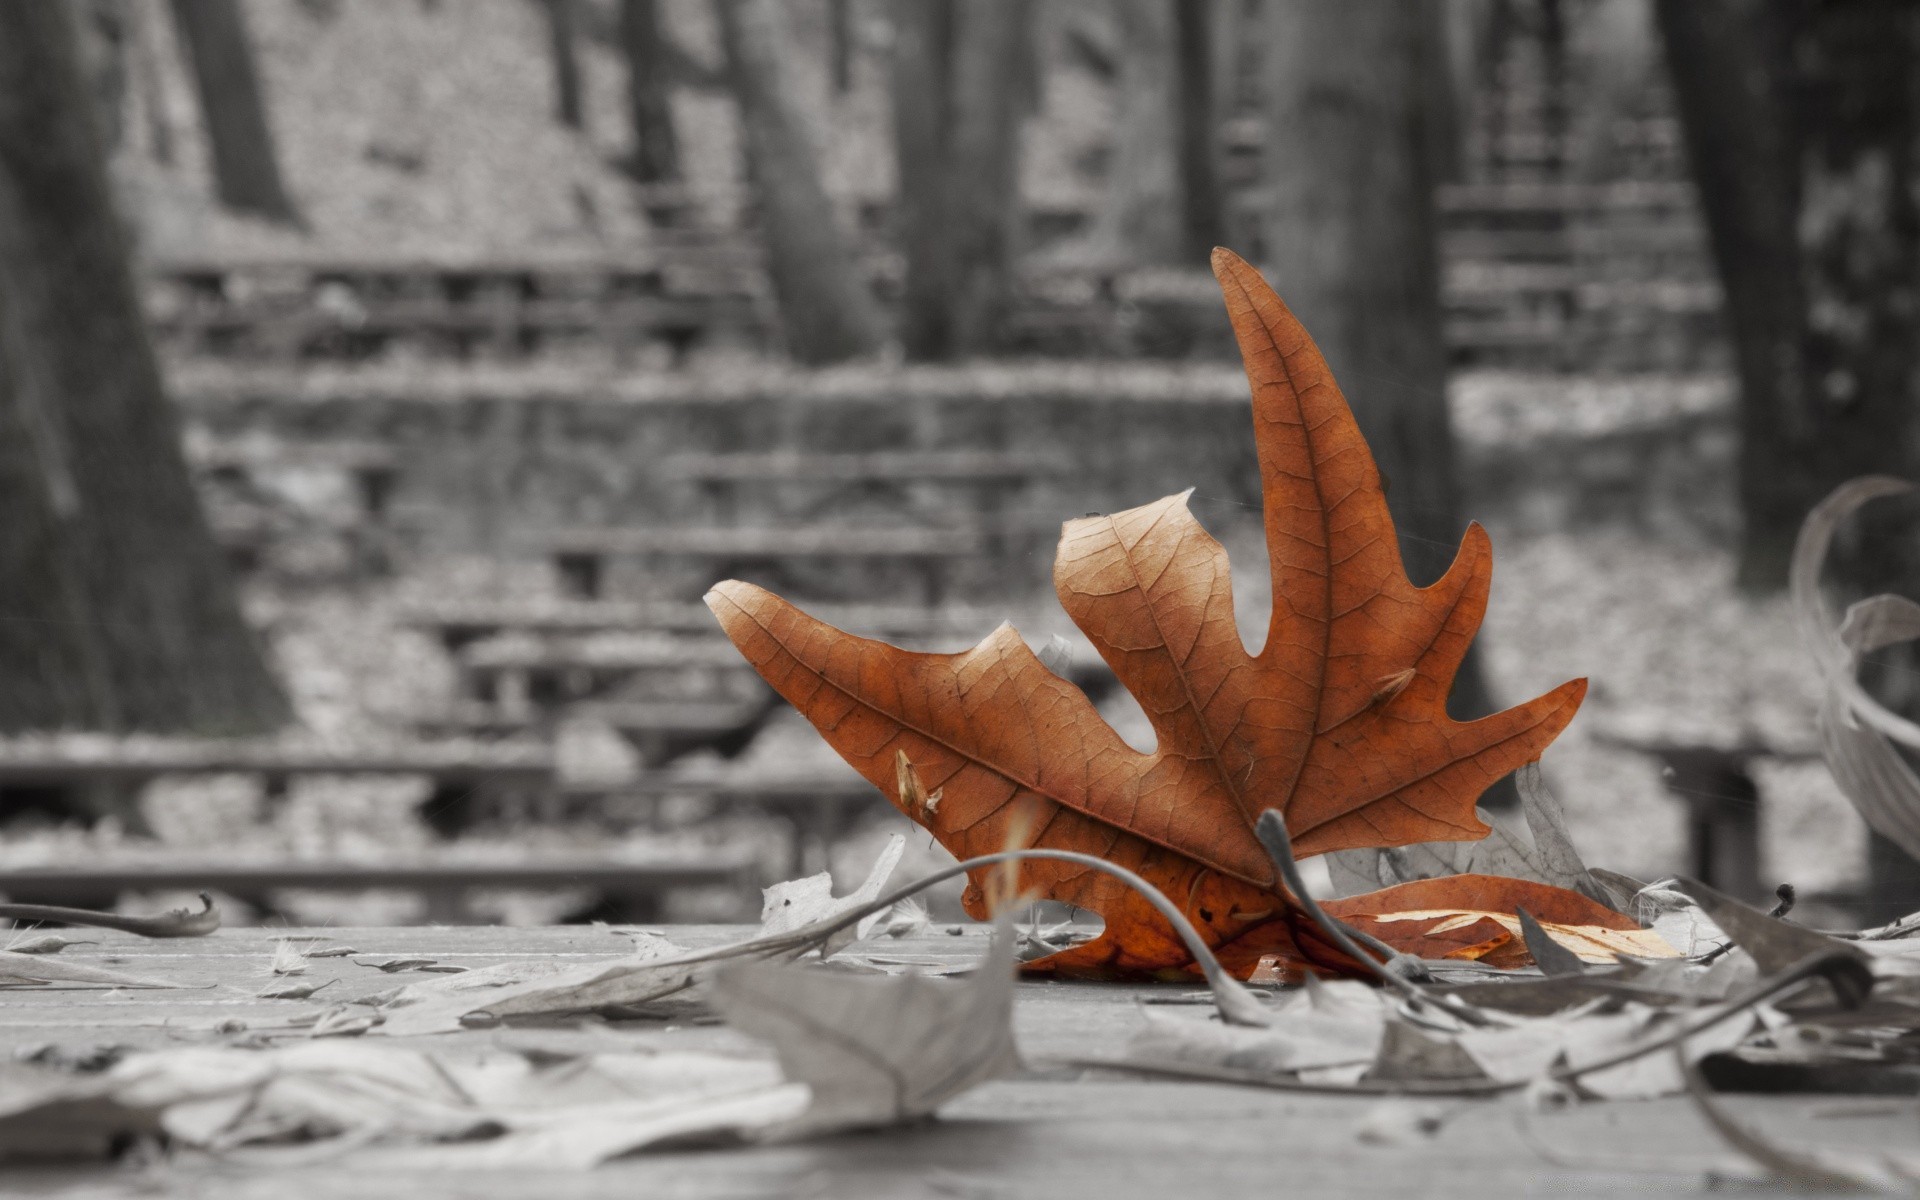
[1548, 857]
[1550, 956]
[1410, 1053]
[797, 903]
[46, 943]
[391, 965]
[652, 972]
[1325, 1025]
[1857, 732]
[1774, 944]
[292, 991]
[332, 952]
[876, 1051]
[1812, 1168]
[41, 969]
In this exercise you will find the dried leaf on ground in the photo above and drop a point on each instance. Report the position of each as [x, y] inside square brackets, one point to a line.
[37, 968]
[1857, 732]
[1550, 857]
[876, 1051]
[176, 923]
[858, 1051]
[1774, 944]
[1473, 917]
[46, 943]
[1339, 722]
[288, 959]
[654, 971]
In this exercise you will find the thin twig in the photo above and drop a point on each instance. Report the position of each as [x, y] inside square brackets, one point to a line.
[1237, 1005]
[1271, 829]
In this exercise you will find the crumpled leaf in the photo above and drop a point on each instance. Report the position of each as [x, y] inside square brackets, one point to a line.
[1814, 1169]
[1473, 916]
[1550, 857]
[654, 971]
[46, 943]
[1339, 722]
[1774, 944]
[1857, 732]
[35, 968]
[857, 1052]
[572, 1114]
[1325, 1024]
[876, 1051]
[797, 903]
[175, 923]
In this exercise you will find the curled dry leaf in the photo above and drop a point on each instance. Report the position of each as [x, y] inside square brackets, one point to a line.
[1474, 917]
[177, 923]
[46, 943]
[876, 1051]
[1857, 732]
[1549, 857]
[1325, 724]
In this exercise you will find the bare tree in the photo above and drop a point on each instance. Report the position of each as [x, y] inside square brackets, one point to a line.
[960, 88]
[563, 46]
[118, 610]
[1353, 246]
[246, 173]
[656, 148]
[1800, 122]
[1143, 214]
[825, 305]
[1198, 67]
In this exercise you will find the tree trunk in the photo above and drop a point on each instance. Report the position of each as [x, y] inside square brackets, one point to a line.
[656, 148]
[564, 48]
[213, 34]
[1353, 248]
[1800, 123]
[842, 42]
[120, 613]
[1143, 213]
[825, 304]
[957, 112]
[1202, 194]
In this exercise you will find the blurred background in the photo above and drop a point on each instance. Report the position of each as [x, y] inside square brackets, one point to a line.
[383, 383]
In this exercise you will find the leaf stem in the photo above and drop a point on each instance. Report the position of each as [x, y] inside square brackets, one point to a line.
[1236, 1004]
[1271, 829]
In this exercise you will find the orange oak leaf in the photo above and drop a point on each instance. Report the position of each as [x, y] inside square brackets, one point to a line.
[1339, 722]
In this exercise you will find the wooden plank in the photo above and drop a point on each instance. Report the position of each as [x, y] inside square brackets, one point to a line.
[1048, 1131]
[462, 620]
[813, 541]
[893, 465]
[78, 759]
[69, 884]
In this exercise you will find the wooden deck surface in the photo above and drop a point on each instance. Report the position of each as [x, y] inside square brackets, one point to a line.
[1055, 1132]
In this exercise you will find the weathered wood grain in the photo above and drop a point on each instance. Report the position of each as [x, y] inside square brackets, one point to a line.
[1054, 1132]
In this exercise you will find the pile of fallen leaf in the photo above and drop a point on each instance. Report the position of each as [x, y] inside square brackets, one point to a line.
[1486, 960]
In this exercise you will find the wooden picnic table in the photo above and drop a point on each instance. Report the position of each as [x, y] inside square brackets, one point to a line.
[632, 887]
[1054, 1130]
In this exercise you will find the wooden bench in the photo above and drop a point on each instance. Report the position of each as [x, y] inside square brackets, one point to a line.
[249, 511]
[987, 475]
[100, 776]
[629, 890]
[820, 808]
[1715, 782]
[579, 555]
[526, 672]
[459, 622]
[660, 730]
